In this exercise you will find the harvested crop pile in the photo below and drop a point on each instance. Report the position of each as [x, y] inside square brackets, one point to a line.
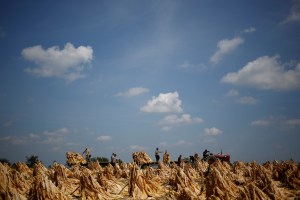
[220, 180]
[141, 157]
[75, 158]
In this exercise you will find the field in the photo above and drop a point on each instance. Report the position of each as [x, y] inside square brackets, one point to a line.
[220, 180]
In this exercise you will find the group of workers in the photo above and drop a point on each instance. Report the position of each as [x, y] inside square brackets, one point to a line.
[166, 156]
[86, 152]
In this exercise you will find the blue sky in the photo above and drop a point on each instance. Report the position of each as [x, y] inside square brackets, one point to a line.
[125, 76]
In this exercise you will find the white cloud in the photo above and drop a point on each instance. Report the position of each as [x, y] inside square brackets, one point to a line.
[247, 100]
[68, 63]
[104, 138]
[166, 128]
[133, 92]
[54, 138]
[294, 14]
[187, 65]
[136, 148]
[175, 120]
[34, 136]
[233, 93]
[250, 30]
[225, 46]
[164, 103]
[279, 122]
[292, 123]
[14, 140]
[261, 123]
[265, 73]
[181, 143]
[212, 131]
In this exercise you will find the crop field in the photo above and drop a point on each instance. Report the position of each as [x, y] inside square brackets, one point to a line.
[220, 180]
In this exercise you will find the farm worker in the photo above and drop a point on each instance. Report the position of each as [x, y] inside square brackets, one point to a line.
[157, 152]
[113, 159]
[87, 154]
[179, 160]
[166, 158]
[196, 157]
[192, 160]
[205, 154]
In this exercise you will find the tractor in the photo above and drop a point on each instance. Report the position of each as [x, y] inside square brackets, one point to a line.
[211, 158]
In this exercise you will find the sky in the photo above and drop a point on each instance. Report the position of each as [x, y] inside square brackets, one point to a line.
[125, 76]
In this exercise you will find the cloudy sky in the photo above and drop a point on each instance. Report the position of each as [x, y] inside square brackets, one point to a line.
[125, 76]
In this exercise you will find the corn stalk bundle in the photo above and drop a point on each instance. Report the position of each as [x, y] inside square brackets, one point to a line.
[288, 173]
[164, 173]
[186, 185]
[141, 157]
[7, 188]
[43, 188]
[112, 186]
[200, 165]
[218, 182]
[24, 169]
[75, 158]
[91, 189]
[63, 179]
[109, 172]
[117, 171]
[140, 187]
[95, 166]
[125, 170]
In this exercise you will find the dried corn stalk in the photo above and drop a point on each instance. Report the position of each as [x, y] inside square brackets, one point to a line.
[75, 158]
[140, 187]
[272, 180]
[141, 157]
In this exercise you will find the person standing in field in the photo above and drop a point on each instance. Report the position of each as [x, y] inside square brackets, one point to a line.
[179, 160]
[166, 158]
[157, 152]
[113, 159]
[87, 154]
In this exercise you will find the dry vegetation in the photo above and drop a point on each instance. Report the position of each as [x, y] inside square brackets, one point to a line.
[239, 180]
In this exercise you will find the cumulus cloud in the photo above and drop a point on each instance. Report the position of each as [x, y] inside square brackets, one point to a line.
[278, 122]
[247, 100]
[67, 63]
[104, 138]
[261, 123]
[233, 93]
[266, 73]
[14, 140]
[188, 65]
[136, 148]
[135, 91]
[33, 136]
[294, 14]
[175, 120]
[212, 131]
[226, 46]
[183, 119]
[55, 137]
[250, 30]
[181, 143]
[291, 123]
[164, 103]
